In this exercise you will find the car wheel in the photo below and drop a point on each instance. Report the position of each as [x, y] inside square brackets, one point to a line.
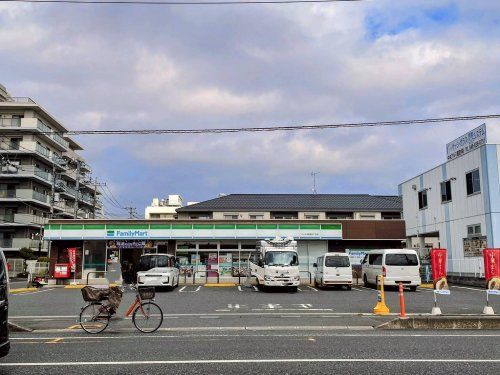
[365, 281]
[348, 287]
[413, 288]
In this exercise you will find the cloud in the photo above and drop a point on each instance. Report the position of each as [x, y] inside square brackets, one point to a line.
[111, 67]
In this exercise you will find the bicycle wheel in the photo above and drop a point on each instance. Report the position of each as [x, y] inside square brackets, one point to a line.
[147, 317]
[94, 317]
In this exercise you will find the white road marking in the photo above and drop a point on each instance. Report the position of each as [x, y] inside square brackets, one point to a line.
[38, 291]
[182, 289]
[270, 360]
[255, 288]
[374, 335]
[300, 290]
[356, 289]
[239, 288]
[310, 287]
[197, 289]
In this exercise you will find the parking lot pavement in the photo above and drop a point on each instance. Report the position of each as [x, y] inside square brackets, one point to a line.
[191, 305]
[265, 352]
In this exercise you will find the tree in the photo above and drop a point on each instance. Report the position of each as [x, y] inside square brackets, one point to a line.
[27, 254]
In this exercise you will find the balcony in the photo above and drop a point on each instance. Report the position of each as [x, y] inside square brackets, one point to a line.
[40, 197]
[27, 219]
[17, 243]
[19, 99]
[4, 193]
[10, 122]
[42, 150]
[29, 171]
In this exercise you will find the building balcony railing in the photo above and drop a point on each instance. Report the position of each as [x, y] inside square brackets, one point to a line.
[23, 219]
[50, 133]
[18, 243]
[20, 99]
[40, 197]
[30, 170]
[6, 242]
[10, 122]
[4, 193]
[42, 150]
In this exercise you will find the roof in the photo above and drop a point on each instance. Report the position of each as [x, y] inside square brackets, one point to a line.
[298, 202]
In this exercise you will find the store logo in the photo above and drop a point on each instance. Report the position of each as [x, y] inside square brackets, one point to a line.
[127, 233]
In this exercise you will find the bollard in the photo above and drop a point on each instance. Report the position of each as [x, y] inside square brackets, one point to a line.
[381, 308]
[488, 310]
[402, 314]
[436, 310]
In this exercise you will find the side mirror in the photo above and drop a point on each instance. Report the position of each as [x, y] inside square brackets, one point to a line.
[315, 265]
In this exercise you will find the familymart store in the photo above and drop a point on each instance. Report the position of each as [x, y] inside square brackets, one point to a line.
[206, 251]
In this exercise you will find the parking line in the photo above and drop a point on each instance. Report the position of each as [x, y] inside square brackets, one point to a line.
[239, 288]
[468, 288]
[310, 287]
[181, 289]
[38, 291]
[255, 288]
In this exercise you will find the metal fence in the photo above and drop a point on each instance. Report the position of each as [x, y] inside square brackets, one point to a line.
[16, 266]
[37, 268]
[473, 267]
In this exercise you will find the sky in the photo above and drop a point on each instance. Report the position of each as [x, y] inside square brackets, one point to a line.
[115, 67]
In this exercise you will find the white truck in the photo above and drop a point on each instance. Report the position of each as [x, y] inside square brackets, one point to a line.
[276, 264]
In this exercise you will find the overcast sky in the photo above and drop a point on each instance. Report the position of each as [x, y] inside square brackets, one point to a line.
[137, 67]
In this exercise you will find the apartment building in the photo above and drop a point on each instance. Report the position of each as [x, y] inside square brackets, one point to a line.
[163, 208]
[42, 176]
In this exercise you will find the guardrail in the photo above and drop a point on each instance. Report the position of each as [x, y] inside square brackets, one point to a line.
[95, 272]
[466, 267]
[206, 275]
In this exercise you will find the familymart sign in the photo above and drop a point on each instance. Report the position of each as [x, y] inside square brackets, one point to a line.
[191, 231]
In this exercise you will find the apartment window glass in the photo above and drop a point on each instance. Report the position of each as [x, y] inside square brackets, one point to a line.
[474, 230]
[312, 217]
[256, 217]
[473, 182]
[446, 191]
[231, 217]
[422, 199]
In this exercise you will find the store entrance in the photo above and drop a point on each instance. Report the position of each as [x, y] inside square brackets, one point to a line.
[128, 254]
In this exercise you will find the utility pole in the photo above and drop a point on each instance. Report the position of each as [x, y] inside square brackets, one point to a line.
[131, 212]
[313, 175]
[96, 185]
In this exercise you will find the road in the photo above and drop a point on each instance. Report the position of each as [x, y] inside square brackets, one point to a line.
[252, 352]
[193, 306]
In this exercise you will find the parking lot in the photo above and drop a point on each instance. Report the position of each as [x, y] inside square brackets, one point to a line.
[239, 306]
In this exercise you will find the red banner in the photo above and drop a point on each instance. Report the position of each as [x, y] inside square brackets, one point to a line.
[491, 265]
[72, 258]
[438, 264]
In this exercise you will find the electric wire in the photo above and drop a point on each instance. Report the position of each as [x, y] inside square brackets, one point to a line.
[426, 121]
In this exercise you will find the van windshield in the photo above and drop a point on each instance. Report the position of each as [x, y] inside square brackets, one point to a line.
[337, 261]
[282, 258]
[401, 260]
[151, 261]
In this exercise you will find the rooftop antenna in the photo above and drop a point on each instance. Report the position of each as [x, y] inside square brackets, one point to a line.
[313, 175]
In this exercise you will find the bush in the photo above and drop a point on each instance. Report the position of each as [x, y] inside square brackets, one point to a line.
[27, 254]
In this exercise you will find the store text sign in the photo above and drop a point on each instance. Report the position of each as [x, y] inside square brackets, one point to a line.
[466, 143]
[128, 233]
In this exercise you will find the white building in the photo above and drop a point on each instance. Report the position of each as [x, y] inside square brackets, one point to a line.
[163, 208]
[458, 202]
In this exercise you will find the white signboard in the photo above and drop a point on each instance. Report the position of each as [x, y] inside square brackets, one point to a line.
[356, 256]
[466, 143]
[493, 291]
[444, 292]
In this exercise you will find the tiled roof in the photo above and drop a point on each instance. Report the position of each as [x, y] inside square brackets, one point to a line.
[298, 202]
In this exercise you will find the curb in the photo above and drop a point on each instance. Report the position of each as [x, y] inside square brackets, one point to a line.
[22, 290]
[443, 322]
[18, 328]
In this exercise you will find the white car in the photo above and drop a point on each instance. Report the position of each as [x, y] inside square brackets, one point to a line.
[158, 270]
[396, 265]
[333, 269]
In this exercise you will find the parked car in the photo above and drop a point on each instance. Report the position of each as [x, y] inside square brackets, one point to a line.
[396, 265]
[4, 307]
[158, 270]
[333, 269]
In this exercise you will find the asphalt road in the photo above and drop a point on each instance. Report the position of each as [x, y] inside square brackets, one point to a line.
[194, 306]
[265, 352]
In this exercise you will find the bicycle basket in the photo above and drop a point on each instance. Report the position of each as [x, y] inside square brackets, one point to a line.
[147, 292]
[94, 294]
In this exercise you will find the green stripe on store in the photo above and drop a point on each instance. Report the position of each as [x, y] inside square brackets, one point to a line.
[310, 226]
[245, 226]
[127, 226]
[225, 226]
[288, 226]
[182, 226]
[72, 226]
[267, 226]
[331, 226]
[159, 226]
[94, 226]
[203, 226]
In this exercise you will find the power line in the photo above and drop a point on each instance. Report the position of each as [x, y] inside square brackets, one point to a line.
[136, 2]
[280, 128]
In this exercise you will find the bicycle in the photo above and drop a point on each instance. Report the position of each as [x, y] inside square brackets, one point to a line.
[95, 315]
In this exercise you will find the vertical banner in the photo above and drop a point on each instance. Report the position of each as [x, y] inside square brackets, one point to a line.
[438, 264]
[72, 258]
[492, 268]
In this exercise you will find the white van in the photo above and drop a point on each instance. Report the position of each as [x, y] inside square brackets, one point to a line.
[396, 265]
[158, 270]
[333, 269]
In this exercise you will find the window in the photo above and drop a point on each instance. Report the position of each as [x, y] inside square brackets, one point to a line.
[474, 230]
[401, 260]
[473, 182]
[256, 217]
[375, 259]
[231, 217]
[446, 191]
[337, 261]
[312, 217]
[422, 199]
[367, 217]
